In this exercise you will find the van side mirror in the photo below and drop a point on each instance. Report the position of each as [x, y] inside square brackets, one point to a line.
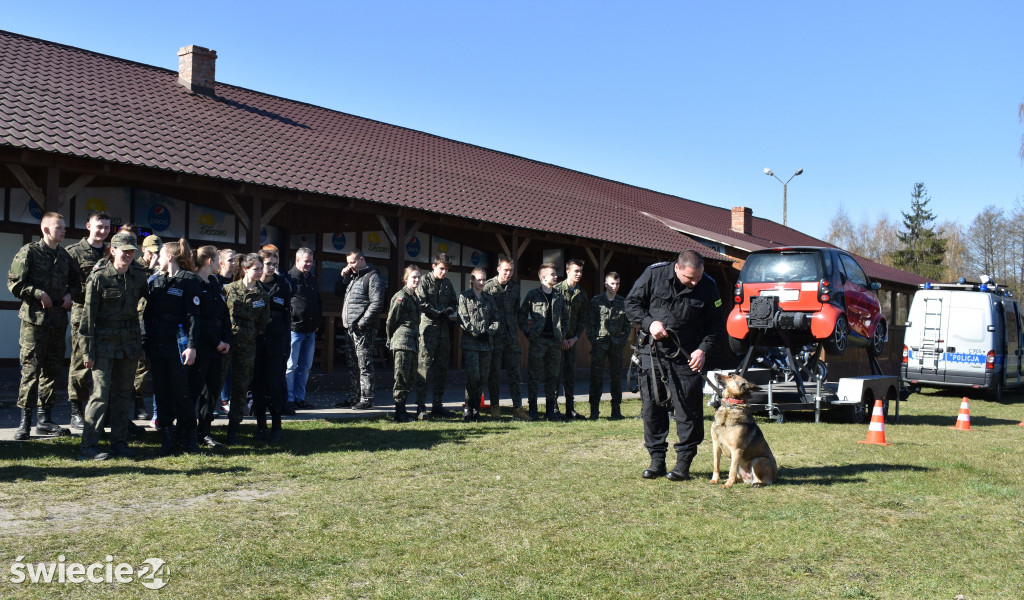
[907, 324]
[991, 328]
[875, 286]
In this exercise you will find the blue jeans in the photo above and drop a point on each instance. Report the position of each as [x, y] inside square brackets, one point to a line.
[299, 362]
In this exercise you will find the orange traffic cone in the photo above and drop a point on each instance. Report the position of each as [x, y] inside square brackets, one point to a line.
[876, 430]
[963, 420]
[483, 401]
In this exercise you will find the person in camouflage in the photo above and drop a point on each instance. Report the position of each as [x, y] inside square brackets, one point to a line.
[506, 352]
[44, 278]
[478, 317]
[147, 261]
[402, 330]
[250, 312]
[438, 303]
[111, 339]
[542, 318]
[576, 303]
[608, 331]
[86, 253]
[364, 292]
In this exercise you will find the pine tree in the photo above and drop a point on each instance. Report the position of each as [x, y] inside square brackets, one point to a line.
[923, 251]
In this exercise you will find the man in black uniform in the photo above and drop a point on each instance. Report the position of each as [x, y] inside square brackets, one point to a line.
[679, 307]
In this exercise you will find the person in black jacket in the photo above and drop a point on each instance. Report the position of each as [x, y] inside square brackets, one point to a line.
[306, 313]
[678, 306]
[173, 307]
[269, 386]
[204, 377]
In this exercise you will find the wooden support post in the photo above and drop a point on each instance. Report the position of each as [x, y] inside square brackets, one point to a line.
[276, 208]
[53, 190]
[504, 246]
[255, 229]
[77, 186]
[34, 191]
[239, 211]
[398, 258]
[387, 230]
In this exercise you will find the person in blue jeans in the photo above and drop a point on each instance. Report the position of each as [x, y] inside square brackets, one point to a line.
[306, 314]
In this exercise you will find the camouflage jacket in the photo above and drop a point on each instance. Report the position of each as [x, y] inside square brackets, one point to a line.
[86, 258]
[110, 319]
[506, 300]
[436, 297]
[403, 322]
[250, 312]
[534, 312]
[37, 269]
[478, 318]
[576, 302]
[606, 319]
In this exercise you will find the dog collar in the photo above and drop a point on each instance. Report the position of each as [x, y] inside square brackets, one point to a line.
[733, 401]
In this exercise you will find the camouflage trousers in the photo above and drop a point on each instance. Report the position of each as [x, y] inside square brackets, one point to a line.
[359, 360]
[140, 378]
[567, 377]
[79, 378]
[433, 366]
[111, 400]
[405, 374]
[505, 355]
[601, 353]
[242, 360]
[544, 363]
[477, 364]
[42, 359]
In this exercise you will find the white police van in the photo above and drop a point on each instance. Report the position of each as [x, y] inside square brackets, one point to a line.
[964, 334]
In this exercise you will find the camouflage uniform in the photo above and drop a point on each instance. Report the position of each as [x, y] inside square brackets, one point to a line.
[36, 269]
[506, 352]
[143, 369]
[85, 257]
[111, 337]
[608, 331]
[403, 338]
[543, 318]
[576, 302]
[478, 318]
[250, 313]
[437, 303]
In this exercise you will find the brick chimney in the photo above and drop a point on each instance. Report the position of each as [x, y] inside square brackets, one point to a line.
[742, 219]
[196, 69]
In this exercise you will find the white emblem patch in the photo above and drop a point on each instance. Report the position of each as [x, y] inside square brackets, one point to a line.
[195, 300]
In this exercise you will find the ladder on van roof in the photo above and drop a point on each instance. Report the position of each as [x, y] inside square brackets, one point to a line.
[931, 335]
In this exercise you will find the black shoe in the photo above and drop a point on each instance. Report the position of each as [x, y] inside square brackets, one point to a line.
[680, 472]
[169, 443]
[136, 430]
[24, 429]
[402, 416]
[232, 438]
[363, 405]
[656, 470]
[422, 415]
[553, 415]
[303, 405]
[534, 415]
[343, 404]
[209, 442]
[441, 412]
[92, 453]
[616, 414]
[261, 435]
[275, 435]
[594, 412]
[288, 409]
[77, 422]
[572, 415]
[140, 415]
[122, 449]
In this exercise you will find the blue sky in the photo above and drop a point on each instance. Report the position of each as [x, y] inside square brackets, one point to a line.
[692, 99]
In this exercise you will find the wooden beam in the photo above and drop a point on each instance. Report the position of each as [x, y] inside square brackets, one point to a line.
[593, 259]
[243, 218]
[257, 218]
[412, 229]
[504, 246]
[34, 191]
[608, 254]
[522, 248]
[267, 216]
[53, 190]
[77, 186]
[387, 230]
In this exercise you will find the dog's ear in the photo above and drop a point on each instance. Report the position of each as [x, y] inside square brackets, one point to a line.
[719, 378]
[750, 387]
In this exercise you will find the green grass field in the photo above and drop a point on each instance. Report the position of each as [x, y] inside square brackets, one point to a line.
[503, 509]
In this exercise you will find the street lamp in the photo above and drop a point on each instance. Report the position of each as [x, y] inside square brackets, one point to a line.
[785, 183]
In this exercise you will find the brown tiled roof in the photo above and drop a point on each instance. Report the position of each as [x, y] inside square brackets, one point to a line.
[66, 100]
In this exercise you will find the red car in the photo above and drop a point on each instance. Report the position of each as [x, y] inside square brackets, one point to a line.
[796, 296]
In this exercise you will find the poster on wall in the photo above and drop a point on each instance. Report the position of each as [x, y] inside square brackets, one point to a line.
[303, 240]
[210, 225]
[417, 248]
[23, 208]
[340, 242]
[453, 250]
[115, 201]
[163, 214]
[471, 257]
[376, 245]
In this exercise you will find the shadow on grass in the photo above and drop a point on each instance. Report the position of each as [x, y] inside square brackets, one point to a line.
[835, 474]
[102, 469]
[940, 420]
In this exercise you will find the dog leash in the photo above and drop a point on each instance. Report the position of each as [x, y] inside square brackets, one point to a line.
[679, 350]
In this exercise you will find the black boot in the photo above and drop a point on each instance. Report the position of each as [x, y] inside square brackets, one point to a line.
[168, 443]
[232, 439]
[275, 429]
[681, 472]
[532, 413]
[77, 420]
[401, 415]
[594, 410]
[45, 424]
[657, 468]
[616, 411]
[24, 428]
[570, 412]
[551, 412]
[421, 412]
[190, 442]
[438, 410]
[261, 435]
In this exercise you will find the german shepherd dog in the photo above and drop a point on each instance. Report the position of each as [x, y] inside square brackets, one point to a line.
[735, 431]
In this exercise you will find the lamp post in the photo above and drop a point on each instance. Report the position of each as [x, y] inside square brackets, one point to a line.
[785, 184]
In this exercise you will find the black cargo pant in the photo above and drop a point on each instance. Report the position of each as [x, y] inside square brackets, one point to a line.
[171, 393]
[269, 384]
[687, 393]
[204, 382]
